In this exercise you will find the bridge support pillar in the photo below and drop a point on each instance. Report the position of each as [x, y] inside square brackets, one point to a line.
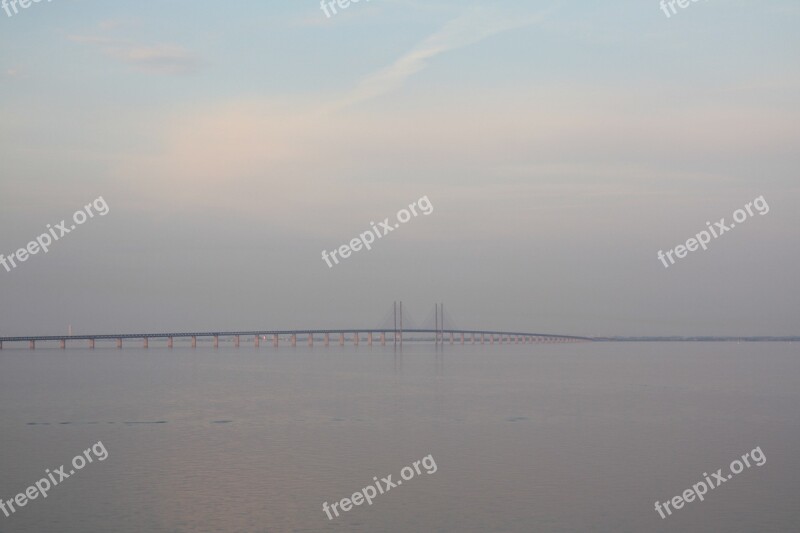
[236, 341]
[341, 339]
[146, 343]
[355, 339]
[119, 343]
[275, 340]
[170, 342]
[462, 338]
[32, 345]
[256, 341]
[194, 341]
[327, 339]
[482, 340]
[91, 344]
[1, 345]
[63, 344]
[216, 341]
[294, 339]
[369, 338]
[311, 339]
[383, 339]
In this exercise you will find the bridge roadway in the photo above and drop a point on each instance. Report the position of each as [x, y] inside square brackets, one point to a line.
[384, 335]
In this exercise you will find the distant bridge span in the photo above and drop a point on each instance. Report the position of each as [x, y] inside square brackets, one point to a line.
[354, 336]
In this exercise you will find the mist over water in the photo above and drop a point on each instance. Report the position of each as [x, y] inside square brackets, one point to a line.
[581, 437]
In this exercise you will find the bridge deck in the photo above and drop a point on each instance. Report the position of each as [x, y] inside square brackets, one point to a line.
[253, 333]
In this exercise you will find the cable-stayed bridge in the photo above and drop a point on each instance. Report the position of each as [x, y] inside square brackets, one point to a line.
[393, 330]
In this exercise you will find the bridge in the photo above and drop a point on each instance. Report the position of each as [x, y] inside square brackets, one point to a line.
[394, 334]
[311, 336]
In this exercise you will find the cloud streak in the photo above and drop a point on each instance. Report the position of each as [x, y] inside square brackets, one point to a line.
[469, 28]
[156, 59]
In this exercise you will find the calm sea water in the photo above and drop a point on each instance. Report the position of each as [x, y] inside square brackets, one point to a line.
[550, 438]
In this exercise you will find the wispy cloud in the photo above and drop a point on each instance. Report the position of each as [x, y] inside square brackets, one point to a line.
[164, 59]
[158, 59]
[91, 39]
[471, 27]
[111, 24]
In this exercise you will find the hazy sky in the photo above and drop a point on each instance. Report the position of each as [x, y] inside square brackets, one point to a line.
[562, 145]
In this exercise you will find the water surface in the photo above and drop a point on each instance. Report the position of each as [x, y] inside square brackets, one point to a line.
[552, 438]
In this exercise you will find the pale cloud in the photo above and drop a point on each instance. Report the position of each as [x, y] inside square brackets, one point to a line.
[158, 59]
[92, 39]
[164, 59]
[471, 27]
[112, 24]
